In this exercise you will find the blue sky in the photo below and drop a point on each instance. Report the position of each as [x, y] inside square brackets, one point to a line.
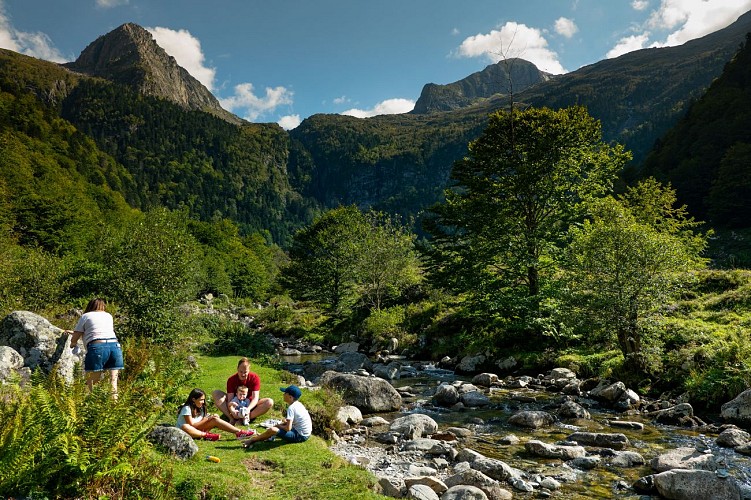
[281, 61]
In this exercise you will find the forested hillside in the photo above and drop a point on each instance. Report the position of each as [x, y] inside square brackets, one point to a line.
[707, 156]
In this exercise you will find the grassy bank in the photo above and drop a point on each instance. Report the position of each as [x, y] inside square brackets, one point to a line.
[270, 470]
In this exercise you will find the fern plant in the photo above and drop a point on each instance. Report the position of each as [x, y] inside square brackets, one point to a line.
[62, 441]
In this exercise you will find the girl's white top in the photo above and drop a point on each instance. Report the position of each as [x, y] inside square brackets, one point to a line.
[96, 325]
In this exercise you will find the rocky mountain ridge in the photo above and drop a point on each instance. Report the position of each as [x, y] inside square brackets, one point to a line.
[130, 55]
[504, 77]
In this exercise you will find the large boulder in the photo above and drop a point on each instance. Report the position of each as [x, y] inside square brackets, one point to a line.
[474, 399]
[415, 425]
[173, 440]
[615, 441]
[391, 371]
[572, 409]
[695, 485]
[369, 394]
[445, 395]
[532, 419]
[485, 379]
[739, 409]
[546, 450]
[733, 437]
[684, 458]
[41, 344]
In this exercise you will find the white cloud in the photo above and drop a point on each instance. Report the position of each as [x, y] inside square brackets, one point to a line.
[253, 105]
[186, 49]
[341, 100]
[34, 44]
[676, 22]
[639, 4]
[455, 32]
[694, 18]
[628, 44]
[513, 40]
[387, 107]
[107, 4]
[289, 122]
[566, 27]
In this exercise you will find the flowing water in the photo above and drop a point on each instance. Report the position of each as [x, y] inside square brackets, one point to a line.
[489, 425]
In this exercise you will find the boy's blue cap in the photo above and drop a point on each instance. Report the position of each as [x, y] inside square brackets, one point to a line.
[292, 390]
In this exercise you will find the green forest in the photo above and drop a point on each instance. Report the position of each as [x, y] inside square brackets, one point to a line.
[535, 246]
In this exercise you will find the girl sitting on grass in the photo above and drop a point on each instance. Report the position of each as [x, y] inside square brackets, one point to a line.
[192, 419]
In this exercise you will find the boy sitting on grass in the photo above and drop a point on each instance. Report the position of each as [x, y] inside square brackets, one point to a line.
[296, 427]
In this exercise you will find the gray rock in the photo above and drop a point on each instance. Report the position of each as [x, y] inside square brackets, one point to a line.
[559, 373]
[571, 409]
[695, 485]
[509, 439]
[507, 364]
[349, 362]
[624, 424]
[680, 414]
[626, 459]
[496, 469]
[733, 437]
[470, 477]
[738, 410]
[615, 441]
[608, 392]
[369, 394]
[485, 379]
[464, 492]
[374, 422]
[349, 415]
[392, 487]
[422, 492]
[391, 371]
[420, 471]
[744, 449]
[446, 395]
[684, 458]
[10, 362]
[586, 463]
[174, 440]
[471, 364]
[429, 446]
[347, 347]
[541, 449]
[550, 483]
[433, 483]
[459, 432]
[40, 344]
[415, 425]
[532, 419]
[475, 399]
[521, 485]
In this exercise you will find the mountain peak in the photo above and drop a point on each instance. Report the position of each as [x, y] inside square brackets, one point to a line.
[496, 78]
[129, 55]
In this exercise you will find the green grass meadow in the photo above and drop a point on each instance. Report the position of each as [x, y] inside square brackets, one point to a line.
[270, 470]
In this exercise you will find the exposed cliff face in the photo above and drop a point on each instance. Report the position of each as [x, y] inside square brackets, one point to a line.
[129, 55]
[500, 78]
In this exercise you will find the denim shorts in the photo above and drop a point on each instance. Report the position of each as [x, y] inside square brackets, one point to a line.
[103, 356]
[291, 436]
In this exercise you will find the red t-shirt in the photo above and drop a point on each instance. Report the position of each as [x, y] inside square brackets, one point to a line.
[253, 383]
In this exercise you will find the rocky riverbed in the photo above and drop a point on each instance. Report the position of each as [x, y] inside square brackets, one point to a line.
[552, 435]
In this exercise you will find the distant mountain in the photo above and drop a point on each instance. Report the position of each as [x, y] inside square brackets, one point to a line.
[129, 55]
[505, 77]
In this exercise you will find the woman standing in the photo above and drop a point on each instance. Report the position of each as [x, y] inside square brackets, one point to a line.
[103, 351]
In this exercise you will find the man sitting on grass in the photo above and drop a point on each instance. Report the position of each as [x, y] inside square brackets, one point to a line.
[295, 428]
